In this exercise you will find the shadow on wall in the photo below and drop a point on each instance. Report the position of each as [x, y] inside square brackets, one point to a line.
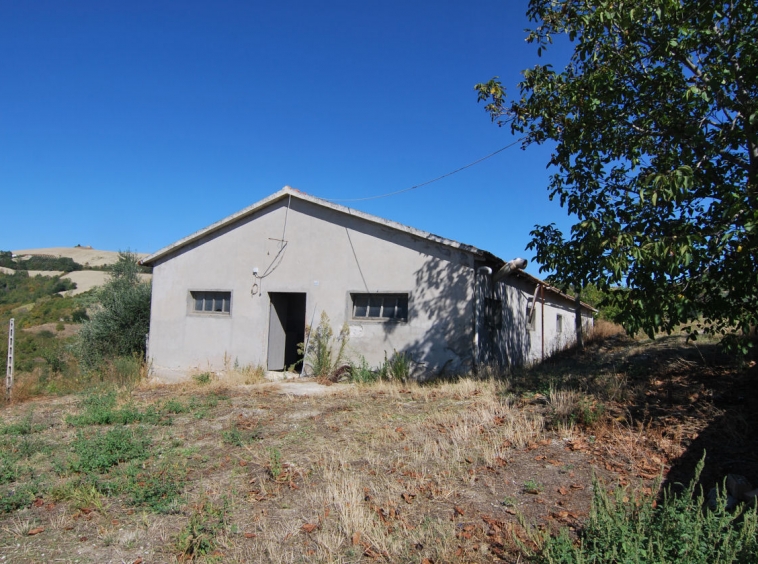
[441, 315]
[504, 336]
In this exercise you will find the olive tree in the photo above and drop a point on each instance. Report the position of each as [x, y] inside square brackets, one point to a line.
[122, 317]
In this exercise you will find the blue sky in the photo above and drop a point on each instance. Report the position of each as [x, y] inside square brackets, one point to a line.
[132, 124]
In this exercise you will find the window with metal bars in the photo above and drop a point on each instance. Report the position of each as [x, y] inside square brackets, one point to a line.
[212, 302]
[387, 307]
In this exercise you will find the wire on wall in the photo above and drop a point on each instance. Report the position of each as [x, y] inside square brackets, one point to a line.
[257, 287]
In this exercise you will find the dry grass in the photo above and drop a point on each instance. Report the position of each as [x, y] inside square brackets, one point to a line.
[604, 329]
[384, 472]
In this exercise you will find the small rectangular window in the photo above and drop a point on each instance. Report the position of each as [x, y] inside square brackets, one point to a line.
[531, 316]
[559, 324]
[493, 312]
[380, 306]
[218, 303]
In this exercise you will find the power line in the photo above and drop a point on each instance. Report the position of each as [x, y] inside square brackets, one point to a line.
[428, 181]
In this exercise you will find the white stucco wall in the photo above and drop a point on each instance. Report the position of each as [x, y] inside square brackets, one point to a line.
[514, 340]
[328, 254]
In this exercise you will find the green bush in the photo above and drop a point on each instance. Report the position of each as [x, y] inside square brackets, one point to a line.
[623, 528]
[79, 315]
[119, 327]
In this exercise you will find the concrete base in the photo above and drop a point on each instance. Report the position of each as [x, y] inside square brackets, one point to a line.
[277, 376]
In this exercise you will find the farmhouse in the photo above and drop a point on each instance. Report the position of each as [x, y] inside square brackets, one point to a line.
[241, 291]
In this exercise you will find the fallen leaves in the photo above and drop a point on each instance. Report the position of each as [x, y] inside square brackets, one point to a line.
[309, 527]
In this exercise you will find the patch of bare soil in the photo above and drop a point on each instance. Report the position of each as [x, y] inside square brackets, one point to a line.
[452, 472]
[686, 399]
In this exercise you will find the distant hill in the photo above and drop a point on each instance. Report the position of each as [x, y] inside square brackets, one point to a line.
[86, 256]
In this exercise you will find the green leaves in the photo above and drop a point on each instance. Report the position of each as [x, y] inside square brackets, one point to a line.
[655, 154]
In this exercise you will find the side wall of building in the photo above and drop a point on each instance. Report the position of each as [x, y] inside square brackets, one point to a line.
[513, 321]
[300, 247]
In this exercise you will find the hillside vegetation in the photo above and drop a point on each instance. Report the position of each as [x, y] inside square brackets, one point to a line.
[52, 355]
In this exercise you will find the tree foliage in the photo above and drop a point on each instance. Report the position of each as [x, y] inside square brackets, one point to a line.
[654, 123]
[122, 320]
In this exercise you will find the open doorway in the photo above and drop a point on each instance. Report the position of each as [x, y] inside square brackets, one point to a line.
[286, 328]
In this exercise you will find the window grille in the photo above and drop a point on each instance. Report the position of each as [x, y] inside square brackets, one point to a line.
[380, 306]
[212, 302]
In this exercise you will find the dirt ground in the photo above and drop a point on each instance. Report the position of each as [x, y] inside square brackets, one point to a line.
[469, 471]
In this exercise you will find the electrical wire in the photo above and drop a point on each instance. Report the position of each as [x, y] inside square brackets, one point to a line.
[276, 261]
[517, 141]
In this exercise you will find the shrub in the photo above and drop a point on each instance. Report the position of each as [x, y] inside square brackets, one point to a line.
[624, 527]
[119, 327]
[79, 315]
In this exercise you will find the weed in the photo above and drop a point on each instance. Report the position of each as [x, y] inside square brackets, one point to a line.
[325, 362]
[251, 374]
[572, 407]
[9, 471]
[100, 451]
[81, 493]
[533, 487]
[157, 489]
[23, 427]
[198, 538]
[232, 437]
[275, 462]
[175, 406]
[100, 409]
[203, 378]
[628, 527]
[20, 496]
[238, 437]
[362, 373]
[397, 367]
[590, 412]
[509, 501]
